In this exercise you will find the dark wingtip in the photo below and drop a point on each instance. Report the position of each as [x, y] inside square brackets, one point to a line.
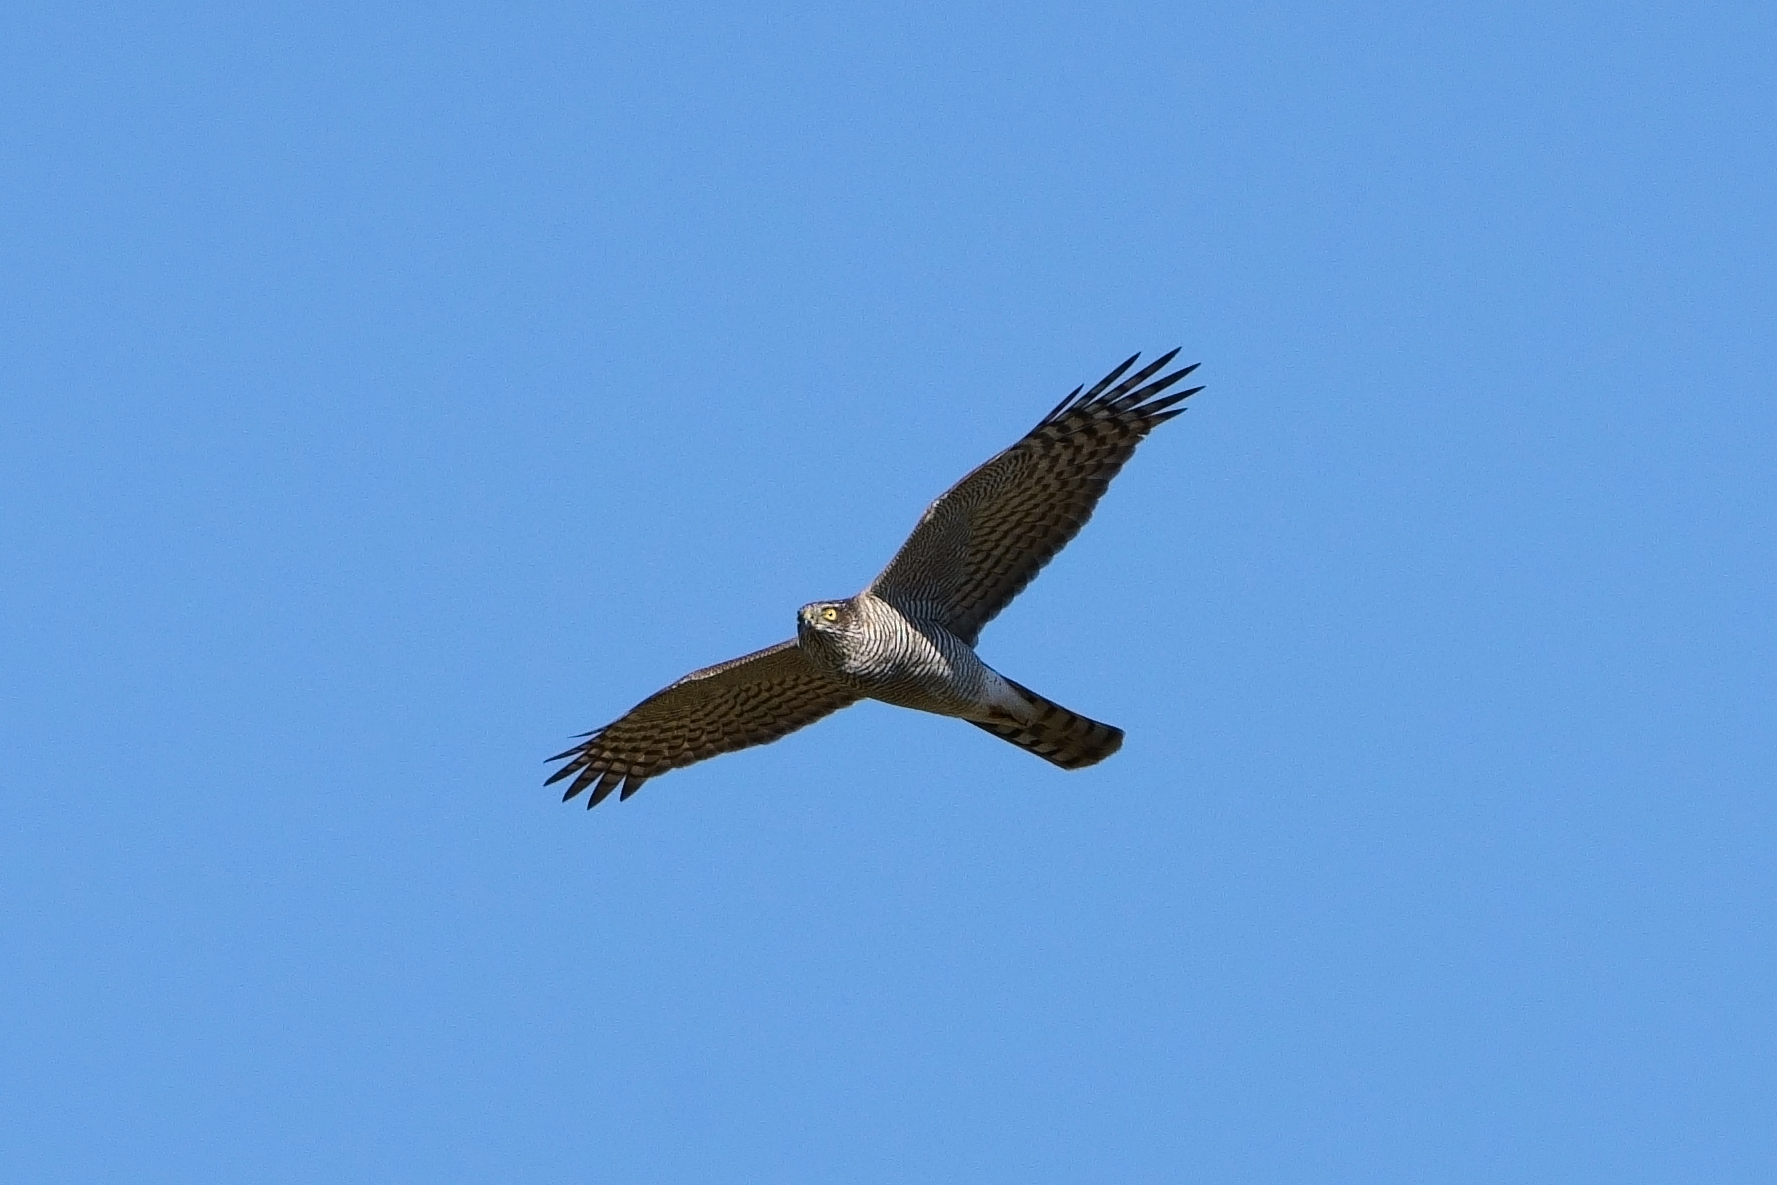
[1098, 388]
[607, 783]
[584, 768]
[1120, 395]
[1154, 407]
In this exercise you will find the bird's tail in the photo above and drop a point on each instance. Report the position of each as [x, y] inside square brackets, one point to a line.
[1066, 738]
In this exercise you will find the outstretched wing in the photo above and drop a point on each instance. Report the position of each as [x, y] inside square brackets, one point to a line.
[983, 541]
[748, 701]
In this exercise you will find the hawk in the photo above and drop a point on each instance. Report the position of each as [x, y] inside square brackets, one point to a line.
[909, 638]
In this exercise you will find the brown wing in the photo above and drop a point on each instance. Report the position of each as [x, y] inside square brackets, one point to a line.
[983, 541]
[748, 701]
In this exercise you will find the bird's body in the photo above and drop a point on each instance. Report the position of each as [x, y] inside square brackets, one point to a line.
[909, 638]
[883, 653]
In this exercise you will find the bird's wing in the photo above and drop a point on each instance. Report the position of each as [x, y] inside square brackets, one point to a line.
[983, 541]
[748, 701]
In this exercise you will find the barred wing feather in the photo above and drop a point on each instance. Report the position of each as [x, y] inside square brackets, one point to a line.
[747, 701]
[979, 545]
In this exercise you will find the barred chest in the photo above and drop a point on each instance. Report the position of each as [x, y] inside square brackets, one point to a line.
[912, 664]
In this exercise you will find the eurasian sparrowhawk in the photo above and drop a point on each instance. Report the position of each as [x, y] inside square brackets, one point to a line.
[909, 638]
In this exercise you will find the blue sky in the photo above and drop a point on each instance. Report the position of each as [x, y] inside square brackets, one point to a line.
[393, 391]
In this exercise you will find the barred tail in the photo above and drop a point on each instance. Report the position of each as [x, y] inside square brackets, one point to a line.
[1066, 738]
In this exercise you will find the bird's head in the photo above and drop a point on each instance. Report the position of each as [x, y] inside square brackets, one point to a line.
[826, 616]
[823, 625]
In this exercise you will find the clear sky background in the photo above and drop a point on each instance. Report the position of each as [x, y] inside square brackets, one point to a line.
[392, 391]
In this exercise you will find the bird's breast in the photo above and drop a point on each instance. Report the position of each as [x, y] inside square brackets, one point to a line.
[915, 665]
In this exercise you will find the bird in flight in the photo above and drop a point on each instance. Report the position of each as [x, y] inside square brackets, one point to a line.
[909, 638]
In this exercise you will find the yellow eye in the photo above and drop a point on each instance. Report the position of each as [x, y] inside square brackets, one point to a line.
[829, 614]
